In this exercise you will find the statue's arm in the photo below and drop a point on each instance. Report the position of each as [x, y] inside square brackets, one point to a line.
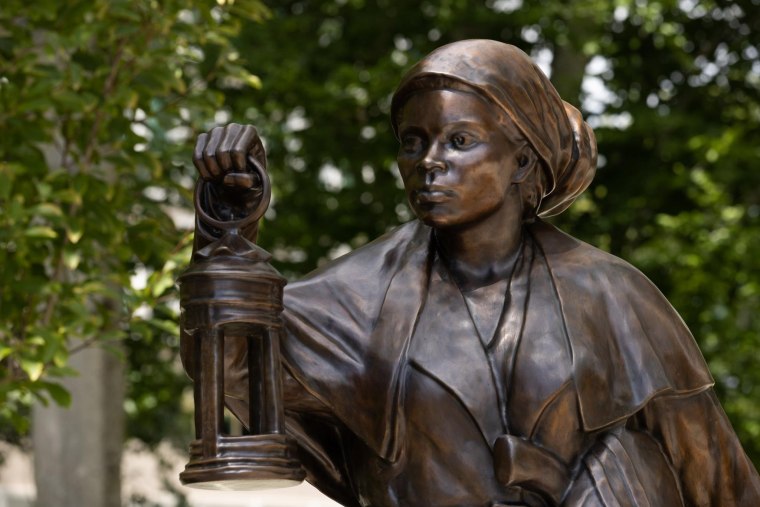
[704, 450]
[680, 449]
[227, 160]
[320, 436]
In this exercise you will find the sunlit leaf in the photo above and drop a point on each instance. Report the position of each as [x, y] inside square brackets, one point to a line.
[47, 210]
[41, 232]
[74, 232]
[33, 369]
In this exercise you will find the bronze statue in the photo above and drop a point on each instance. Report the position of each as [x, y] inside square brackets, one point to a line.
[478, 356]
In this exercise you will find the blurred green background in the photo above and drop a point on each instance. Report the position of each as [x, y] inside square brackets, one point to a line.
[101, 100]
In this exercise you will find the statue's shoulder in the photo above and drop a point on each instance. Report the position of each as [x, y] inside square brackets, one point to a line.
[379, 256]
[624, 334]
[584, 267]
[367, 270]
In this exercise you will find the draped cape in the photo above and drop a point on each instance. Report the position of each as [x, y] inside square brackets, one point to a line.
[627, 344]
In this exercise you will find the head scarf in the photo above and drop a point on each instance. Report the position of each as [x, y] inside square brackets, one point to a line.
[509, 79]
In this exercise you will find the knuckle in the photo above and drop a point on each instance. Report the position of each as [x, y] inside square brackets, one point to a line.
[221, 152]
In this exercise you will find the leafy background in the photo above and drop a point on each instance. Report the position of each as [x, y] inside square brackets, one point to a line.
[100, 103]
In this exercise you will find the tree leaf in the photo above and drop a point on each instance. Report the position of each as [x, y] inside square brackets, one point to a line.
[74, 232]
[41, 232]
[5, 352]
[47, 210]
[59, 394]
[33, 369]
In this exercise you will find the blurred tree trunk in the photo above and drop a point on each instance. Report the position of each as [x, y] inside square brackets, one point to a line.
[568, 68]
[77, 450]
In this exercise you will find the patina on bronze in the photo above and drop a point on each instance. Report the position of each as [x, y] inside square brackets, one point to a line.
[478, 356]
[231, 290]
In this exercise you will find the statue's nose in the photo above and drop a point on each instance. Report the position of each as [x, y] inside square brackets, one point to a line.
[432, 161]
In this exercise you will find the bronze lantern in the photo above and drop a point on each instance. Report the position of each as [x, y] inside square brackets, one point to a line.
[231, 292]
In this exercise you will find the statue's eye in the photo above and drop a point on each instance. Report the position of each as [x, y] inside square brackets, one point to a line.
[462, 140]
[411, 144]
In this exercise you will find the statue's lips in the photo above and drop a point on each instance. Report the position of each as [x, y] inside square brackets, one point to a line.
[432, 195]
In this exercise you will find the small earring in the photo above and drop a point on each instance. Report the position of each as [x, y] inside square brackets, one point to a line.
[530, 198]
[530, 203]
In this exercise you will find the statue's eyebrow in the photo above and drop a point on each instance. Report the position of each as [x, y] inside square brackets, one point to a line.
[410, 129]
[467, 124]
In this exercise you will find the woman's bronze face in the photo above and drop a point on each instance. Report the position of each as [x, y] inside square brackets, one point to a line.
[456, 159]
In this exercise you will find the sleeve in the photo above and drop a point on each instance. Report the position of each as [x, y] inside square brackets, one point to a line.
[706, 455]
[678, 450]
[319, 435]
[624, 467]
[209, 194]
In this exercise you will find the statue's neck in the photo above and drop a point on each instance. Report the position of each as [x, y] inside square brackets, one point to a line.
[484, 252]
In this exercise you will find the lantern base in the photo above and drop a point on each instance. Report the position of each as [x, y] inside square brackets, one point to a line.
[243, 484]
[249, 463]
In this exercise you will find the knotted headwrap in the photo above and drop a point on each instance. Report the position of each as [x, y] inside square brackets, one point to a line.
[509, 79]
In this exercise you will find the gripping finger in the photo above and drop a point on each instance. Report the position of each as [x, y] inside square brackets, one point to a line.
[258, 153]
[241, 180]
[198, 162]
[248, 136]
[223, 157]
[209, 152]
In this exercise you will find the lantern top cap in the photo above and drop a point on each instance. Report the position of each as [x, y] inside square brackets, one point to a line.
[232, 244]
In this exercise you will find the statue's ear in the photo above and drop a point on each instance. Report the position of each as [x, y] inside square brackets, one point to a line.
[526, 163]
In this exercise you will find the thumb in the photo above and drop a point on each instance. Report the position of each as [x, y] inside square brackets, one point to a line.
[245, 181]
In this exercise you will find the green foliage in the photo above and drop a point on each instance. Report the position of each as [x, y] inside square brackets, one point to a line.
[100, 103]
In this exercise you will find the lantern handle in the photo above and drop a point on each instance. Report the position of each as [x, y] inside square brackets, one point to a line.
[239, 224]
